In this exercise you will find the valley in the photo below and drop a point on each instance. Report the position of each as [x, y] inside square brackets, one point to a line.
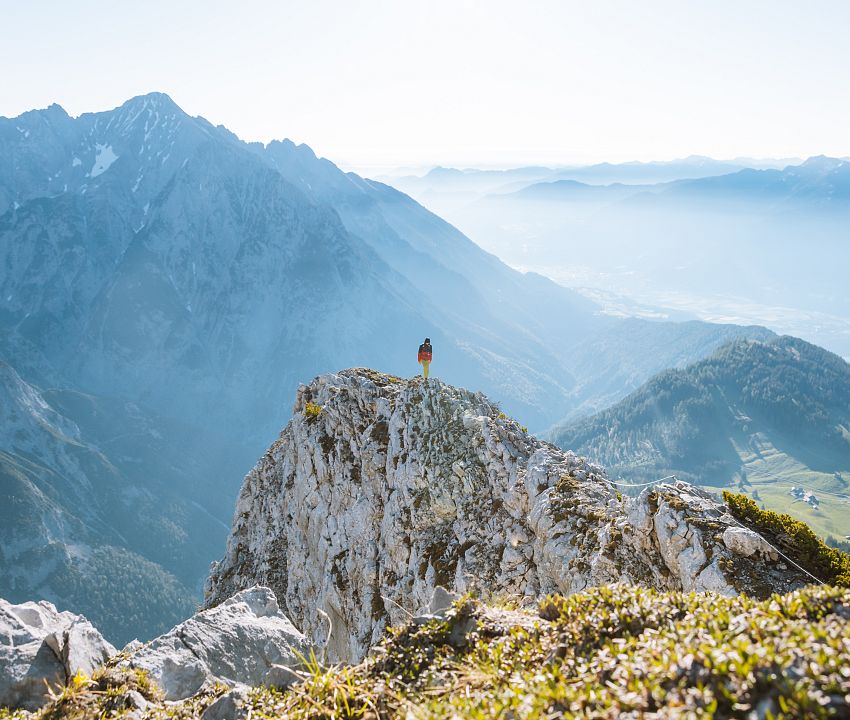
[729, 242]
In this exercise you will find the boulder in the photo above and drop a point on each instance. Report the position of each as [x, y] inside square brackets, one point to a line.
[441, 600]
[38, 645]
[746, 542]
[230, 706]
[245, 640]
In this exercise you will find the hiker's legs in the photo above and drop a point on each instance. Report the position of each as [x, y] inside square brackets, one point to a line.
[425, 365]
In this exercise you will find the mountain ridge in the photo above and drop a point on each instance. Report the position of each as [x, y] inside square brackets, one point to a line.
[763, 416]
[155, 269]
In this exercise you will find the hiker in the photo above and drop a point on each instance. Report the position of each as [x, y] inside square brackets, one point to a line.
[424, 357]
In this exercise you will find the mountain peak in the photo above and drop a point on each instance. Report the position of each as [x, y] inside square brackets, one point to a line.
[140, 109]
[444, 172]
[55, 110]
[382, 488]
[822, 162]
[154, 100]
[52, 112]
[701, 422]
[288, 146]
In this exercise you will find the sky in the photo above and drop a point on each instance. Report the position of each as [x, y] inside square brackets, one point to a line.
[398, 83]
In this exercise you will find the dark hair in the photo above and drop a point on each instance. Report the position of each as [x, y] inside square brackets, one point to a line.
[427, 341]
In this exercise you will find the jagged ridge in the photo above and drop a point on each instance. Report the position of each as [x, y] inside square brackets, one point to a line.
[381, 488]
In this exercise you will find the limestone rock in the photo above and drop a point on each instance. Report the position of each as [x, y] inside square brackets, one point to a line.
[230, 706]
[396, 487]
[136, 701]
[441, 600]
[241, 641]
[37, 644]
[743, 541]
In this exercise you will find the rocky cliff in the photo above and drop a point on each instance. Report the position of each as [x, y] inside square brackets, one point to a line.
[380, 489]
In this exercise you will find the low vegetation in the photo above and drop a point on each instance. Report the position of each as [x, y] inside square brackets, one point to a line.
[794, 538]
[607, 653]
[312, 411]
[122, 593]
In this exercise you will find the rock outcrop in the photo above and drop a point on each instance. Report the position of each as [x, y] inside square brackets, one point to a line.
[245, 640]
[379, 489]
[40, 646]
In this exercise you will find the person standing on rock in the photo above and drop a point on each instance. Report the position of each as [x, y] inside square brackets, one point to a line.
[424, 357]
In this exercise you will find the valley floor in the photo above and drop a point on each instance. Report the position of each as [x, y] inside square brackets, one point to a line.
[771, 475]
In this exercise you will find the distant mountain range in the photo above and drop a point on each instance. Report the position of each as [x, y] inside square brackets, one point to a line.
[820, 181]
[757, 245]
[164, 287]
[764, 416]
[443, 180]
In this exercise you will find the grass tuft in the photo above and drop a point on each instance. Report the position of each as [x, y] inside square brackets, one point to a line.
[312, 411]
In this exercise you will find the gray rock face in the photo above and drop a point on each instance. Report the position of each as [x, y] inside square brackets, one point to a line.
[744, 541]
[37, 644]
[231, 706]
[244, 640]
[396, 487]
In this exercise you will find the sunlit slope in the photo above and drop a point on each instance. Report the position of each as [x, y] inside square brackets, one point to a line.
[760, 416]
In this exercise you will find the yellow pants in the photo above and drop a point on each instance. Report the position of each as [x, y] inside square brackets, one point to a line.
[425, 365]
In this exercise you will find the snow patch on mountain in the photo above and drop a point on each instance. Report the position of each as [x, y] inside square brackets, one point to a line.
[103, 160]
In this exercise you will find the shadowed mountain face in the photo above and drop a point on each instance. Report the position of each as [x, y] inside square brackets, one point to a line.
[103, 506]
[183, 268]
[164, 287]
[765, 416]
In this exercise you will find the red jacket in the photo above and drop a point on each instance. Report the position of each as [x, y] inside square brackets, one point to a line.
[423, 354]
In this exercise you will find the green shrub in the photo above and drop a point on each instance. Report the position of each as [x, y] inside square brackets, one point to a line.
[311, 411]
[794, 538]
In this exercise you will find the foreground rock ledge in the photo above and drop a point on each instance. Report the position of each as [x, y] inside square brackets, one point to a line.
[245, 640]
[380, 489]
[611, 652]
[41, 649]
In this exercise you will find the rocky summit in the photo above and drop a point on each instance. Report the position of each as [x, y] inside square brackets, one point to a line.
[380, 489]
[405, 549]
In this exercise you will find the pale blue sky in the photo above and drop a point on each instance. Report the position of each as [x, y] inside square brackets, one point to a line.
[456, 82]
